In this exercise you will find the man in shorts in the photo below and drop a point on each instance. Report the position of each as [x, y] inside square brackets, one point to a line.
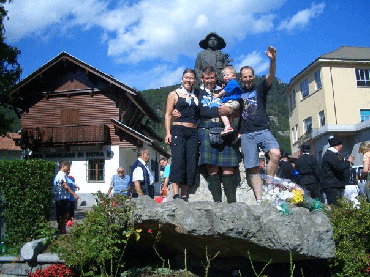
[254, 125]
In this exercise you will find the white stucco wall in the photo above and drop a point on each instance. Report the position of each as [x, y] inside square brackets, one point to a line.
[79, 156]
[129, 156]
[79, 171]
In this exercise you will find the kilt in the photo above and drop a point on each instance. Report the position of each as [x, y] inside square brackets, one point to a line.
[225, 155]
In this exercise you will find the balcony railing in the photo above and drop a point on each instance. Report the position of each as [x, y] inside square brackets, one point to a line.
[70, 135]
[302, 139]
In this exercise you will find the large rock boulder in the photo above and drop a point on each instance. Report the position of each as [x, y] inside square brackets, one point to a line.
[31, 249]
[200, 191]
[234, 230]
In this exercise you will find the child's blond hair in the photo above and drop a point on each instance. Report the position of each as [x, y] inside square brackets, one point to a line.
[229, 68]
[364, 147]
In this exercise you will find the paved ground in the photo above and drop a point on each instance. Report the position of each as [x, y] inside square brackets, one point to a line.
[80, 213]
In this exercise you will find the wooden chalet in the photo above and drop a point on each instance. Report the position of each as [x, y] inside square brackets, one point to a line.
[9, 148]
[71, 110]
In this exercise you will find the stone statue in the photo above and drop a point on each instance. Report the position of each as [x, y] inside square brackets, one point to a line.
[211, 56]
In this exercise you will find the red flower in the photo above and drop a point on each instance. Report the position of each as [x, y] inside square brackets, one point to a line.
[69, 223]
[114, 204]
[53, 270]
[150, 231]
[159, 199]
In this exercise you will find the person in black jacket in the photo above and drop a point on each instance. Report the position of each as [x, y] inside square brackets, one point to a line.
[285, 169]
[334, 169]
[309, 171]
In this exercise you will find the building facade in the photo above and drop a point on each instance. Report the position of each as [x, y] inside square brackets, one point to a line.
[9, 148]
[72, 111]
[330, 98]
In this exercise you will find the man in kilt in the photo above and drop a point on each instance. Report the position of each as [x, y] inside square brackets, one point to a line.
[220, 157]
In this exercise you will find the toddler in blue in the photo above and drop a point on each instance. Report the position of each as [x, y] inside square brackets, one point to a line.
[230, 96]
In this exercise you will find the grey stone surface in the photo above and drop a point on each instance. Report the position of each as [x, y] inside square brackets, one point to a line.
[15, 269]
[4, 259]
[31, 249]
[86, 199]
[49, 258]
[200, 191]
[235, 230]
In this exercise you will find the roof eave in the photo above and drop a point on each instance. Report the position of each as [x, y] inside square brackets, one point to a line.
[131, 93]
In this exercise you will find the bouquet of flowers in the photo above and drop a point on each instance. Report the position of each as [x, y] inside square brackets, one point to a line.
[281, 192]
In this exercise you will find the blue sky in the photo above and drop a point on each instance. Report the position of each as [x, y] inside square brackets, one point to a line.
[148, 43]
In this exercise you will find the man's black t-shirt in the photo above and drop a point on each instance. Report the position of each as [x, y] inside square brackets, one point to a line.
[253, 109]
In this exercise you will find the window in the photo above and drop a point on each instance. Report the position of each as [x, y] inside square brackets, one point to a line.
[304, 89]
[365, 115]
[321, 118]
[292, 100]
[317, 80]
[363, 78]
[307, 124]
[69, 116]
[95, 170]
[296, 132]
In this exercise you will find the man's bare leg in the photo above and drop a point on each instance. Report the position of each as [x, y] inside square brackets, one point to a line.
[256, 180]
[272, 166]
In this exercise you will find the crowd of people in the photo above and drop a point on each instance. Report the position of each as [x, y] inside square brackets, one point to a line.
[327, 181]
[200, 131]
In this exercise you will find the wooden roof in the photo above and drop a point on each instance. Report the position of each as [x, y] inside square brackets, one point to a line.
[37, 84]
[7, 142]
[121, 126]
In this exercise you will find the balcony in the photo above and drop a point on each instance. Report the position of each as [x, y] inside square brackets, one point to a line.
[304, 138]
[65, 135]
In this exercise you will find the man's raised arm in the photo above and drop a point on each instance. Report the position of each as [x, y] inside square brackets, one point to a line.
[271, 54]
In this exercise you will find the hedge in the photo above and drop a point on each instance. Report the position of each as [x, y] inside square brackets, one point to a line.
[25, 187]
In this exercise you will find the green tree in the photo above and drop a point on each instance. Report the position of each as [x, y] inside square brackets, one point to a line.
[10, 70]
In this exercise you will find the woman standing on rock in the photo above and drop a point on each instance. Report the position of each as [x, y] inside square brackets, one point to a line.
[183, 135]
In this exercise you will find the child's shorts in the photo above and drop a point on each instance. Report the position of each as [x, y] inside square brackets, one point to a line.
[232, 104]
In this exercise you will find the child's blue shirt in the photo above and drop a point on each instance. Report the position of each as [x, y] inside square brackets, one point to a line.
[233, 91]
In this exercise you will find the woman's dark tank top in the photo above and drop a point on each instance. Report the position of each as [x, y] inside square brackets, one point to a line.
[189, 113]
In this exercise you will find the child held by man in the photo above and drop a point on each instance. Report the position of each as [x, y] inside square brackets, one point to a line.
[230, 96]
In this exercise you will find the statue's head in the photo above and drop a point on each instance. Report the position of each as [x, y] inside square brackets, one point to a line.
[213, 41]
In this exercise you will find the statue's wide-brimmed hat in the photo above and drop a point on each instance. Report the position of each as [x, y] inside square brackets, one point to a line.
[220, 41]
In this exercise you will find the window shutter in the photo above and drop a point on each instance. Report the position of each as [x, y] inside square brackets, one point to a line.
[69, 116]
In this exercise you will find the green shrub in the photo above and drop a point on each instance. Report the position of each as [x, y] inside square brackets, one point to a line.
[351, 228]
[96, 245]
[25, 187]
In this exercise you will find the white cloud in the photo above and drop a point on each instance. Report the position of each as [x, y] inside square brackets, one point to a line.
[202, 21]
[36, 17]
[144, 30]
[159, 76]
[302, 18]
[257, 60]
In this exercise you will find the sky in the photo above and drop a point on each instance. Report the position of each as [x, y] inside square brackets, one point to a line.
[148, 43]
